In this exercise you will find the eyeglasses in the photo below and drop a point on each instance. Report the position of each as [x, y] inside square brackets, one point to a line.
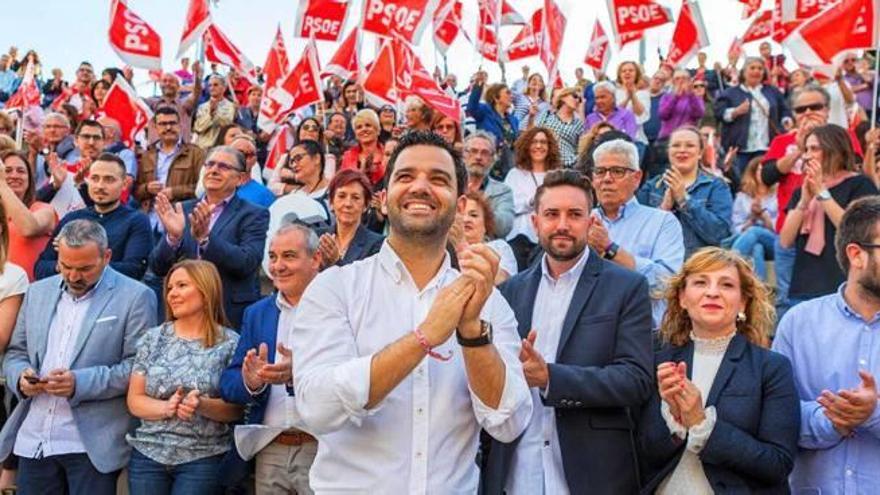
[540, 141]
[867, 245]
[615, 172]
[474, 151]
[698, 86]
[576, 96]
[445, 127]
[90, 137]
[815, 107]
[170, 123]
[221, 166]
[296, 158]
[309, 127]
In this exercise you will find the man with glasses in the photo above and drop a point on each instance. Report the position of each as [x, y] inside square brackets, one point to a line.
[128, 230]
[250, 189]
[479, 156]
[89, 139]
[213, 114]
[831, 342]
[85, 76]
[783, 165]
[221, 228]
[53, 138]
[641, 238]
[171, 97]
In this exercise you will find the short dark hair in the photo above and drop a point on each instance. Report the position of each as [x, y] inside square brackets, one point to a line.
[89, 123]
[427, 138]
[110, 157]
[350, 176]
[565, 177]
[312, 148]
[166, 110]
[857, 226]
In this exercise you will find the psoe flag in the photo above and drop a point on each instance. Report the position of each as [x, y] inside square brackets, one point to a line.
[845, 26]
[689, 35]
[404, 18]
[136, 43]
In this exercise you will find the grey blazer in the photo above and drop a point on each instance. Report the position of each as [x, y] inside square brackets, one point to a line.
[122, 310]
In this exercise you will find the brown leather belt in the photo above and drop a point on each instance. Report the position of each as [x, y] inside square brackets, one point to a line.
[294, 438]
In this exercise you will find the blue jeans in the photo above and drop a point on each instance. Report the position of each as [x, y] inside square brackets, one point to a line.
[784, 260]
[66, 473]
[148, 477]
[755, 243]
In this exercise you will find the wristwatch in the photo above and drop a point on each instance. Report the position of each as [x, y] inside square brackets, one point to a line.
[484, 338]
[823, 195]
[611, 251]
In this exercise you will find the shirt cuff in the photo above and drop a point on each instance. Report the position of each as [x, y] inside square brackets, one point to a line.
[253, 393]
[674, 426]
[351, 385]
[510, 407]
[699, 434]
[172, 242]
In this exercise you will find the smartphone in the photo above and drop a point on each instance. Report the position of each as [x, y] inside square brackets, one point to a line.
[33, 379]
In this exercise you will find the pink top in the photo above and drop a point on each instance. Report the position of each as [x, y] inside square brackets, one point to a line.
[24, 251]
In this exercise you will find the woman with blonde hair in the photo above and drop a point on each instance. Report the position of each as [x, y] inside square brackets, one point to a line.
[366, 154]
[632, 94]
[184, 429]
[726, 416]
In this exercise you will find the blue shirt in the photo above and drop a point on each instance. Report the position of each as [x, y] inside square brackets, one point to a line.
[256, 193]
[828, 343]
[653, 237]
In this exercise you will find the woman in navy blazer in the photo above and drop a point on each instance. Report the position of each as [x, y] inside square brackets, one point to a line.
[725, 416]
[349, 240]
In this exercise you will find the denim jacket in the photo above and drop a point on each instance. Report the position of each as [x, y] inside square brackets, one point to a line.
[706, 215]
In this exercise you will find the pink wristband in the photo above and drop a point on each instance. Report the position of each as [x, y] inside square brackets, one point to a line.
[427, 347]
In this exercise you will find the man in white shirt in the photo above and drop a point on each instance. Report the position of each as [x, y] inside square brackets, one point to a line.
[396, 403]
[261, 378]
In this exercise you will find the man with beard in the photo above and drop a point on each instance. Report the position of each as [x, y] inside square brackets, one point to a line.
[479, 156]
[586, 353]
[128, 230]
[387, 419]
[89, 144]
[169, 84]
[831, 342]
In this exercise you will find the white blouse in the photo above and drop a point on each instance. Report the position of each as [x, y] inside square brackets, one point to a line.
[524, 183]
[13, 281]
[688, 476]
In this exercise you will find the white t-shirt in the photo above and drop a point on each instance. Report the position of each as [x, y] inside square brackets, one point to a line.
[508, 260]
[13, 281]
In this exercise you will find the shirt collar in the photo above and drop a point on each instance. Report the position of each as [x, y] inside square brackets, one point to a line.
[573, 273]
[393, 265]
[282, 304]
[845, 308]
[631, 206]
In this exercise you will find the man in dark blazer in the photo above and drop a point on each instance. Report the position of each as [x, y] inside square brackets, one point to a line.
[586, 353]
[221, 228]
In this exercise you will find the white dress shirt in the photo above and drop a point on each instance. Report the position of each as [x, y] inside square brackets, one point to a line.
[423, 437]
[49, 427]
[281, 407]
[536, 466]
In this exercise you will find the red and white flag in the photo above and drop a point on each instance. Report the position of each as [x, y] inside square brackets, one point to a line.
[136, 43]
[551, 43]
[793, 10]
[627, 38]
[345, 62]
[632, 16]
[488, 26]
[750, 7]
[509, 15]
[447, 24]
[299, 88]
[123, 105]
[278, 145]
[782, 29]
[65, 96]
[735, 50]
[404, 18]
[277, 63]
[198, 18]
[528, 40]
[321, 19]
[760, 28]
[28, 93]
[848, 25]
[599, 50]
[689, 35]
[219, 49]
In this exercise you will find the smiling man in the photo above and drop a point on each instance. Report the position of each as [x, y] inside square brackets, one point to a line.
[128, 230]
[396, 402]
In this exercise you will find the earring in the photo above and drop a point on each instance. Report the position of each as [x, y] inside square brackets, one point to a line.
[741, 317]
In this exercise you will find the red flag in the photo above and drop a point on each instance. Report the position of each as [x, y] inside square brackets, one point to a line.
[345, 62]
[848, 25]
[782, 29]
[123, 105]
[528, 40]
[220, 50]
[689, 35]
[551, 43]
[488, 26]
[599, 51]
[793, 10]
[277, 64]
[28, 94]
[750, 7]
[379, 81]
[447, 24]
[630, 16]
[65, 96]
[736, 48]
[760, 28]
[404, 18]
[509, 16]
[299, 88]
[278, 145]
[136, 43]
[321, 19]
[627, 38]
[198, 17]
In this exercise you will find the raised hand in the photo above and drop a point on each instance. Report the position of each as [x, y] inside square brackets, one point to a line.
[479, 263]
[669, 385]
[533, 364]
[200, 221]
[253, 362]
[690, 404]
[281, 372]
[446, 311]
[598, 237]
[171, 216]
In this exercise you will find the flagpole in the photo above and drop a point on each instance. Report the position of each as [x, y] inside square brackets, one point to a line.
[19, 130]
[876, 80]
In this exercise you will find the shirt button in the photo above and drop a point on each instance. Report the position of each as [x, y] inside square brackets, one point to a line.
[419, 411]
[849, 472]
[419, 455]
[863, 362]
[546, 443]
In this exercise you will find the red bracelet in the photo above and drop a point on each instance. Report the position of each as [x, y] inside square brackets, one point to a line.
[427, 347]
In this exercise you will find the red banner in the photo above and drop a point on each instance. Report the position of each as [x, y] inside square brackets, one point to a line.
[528, 40]
[849, 25]
[345, 62]
[28, 94]
[551, 43]
[198, 18]
[760, 28]
[321, 19]
[599, 50]
[123, 105]
[219, 49]
[750, 7]
[793, 10]
[630, 16]
[689, 35]
[404, 18]
[277, 63]
[509, 15]
[136, 43]
[447, 24]
[299, 88]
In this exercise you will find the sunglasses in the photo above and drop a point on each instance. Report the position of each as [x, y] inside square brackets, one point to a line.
[699, 86]
[815, 107]
[221, 166]
[310, 127]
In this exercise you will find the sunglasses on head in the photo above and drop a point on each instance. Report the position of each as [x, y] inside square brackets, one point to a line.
[815, 107]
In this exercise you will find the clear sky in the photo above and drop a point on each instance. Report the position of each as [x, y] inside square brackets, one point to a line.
[65, 32]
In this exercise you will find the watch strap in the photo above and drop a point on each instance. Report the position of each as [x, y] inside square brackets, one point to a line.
[485, 337]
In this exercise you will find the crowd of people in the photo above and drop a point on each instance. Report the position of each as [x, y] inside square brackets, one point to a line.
[656, 284]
